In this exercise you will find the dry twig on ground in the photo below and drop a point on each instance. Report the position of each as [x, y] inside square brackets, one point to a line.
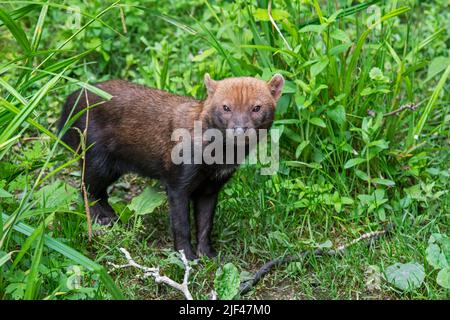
[248, 285]
[409, 106]
[154, 272]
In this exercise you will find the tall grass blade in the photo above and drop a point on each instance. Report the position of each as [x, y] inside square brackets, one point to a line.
[28, 109]
[33, 275]
[431, 103]
[38, 29]
[20, 12]
[357, 51]
[16, 31]
[73, 255]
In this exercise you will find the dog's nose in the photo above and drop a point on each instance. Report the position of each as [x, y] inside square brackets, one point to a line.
[240, 130]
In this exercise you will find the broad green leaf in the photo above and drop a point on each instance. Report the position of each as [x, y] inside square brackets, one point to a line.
[56, 195]
[205, 54]
[227, 281]
[353, 162]
[381, 214]
[340, 48]
[443, 278]
[437, 66]
[5, 257]
[382, 144]
[406, 276]
[319, 66]
[147, 201]
[313, 28]
[122, 210]
[347, 200]
[5, 194]
[318, 122]
[365, 199]
[300, 148]
[16, 290]
[277, 14]
[376, 74]
[379, 195]
[438, 251]
[291, 134]
[367, 91]
[384, 182]
[436, 257]
[362, 175]
[444, 242]
[340, 35]
[414, 192]
[337, 114]
[289, 87]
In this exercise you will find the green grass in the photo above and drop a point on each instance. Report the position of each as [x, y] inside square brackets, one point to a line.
[345, 169]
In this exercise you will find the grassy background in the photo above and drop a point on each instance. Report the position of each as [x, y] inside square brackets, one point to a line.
[345, 168]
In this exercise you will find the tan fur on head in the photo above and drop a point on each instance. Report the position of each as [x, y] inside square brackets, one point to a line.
[241, 102]
[275, 84]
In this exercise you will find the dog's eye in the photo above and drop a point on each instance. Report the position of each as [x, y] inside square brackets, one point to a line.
[256, 108]
[226, 108]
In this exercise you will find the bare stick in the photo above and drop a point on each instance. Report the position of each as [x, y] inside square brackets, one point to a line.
[365, 236]
[408, 106]
[83, 185]
[154, 272]
[247, 286]
[88, 211]
[122, 18]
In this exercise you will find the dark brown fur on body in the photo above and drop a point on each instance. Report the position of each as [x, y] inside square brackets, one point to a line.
[132, 133]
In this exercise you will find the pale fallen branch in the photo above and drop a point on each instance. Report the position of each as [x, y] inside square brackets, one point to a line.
[409, 106]
[154, 272]
[248, 285]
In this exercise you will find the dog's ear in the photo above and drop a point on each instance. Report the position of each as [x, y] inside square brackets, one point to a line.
[276, 86]
[210, 84]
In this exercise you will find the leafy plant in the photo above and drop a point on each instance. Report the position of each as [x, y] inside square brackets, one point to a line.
[348, 160]
[406, 276]
[227, 281]
[438, 256]
[146, 202]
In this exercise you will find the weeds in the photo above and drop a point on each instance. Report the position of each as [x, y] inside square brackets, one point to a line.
[352, 158]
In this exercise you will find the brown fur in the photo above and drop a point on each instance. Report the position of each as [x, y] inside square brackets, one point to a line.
[132, 133]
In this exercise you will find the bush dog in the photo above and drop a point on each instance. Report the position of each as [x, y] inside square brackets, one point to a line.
[132, 133]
